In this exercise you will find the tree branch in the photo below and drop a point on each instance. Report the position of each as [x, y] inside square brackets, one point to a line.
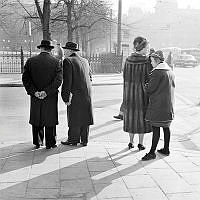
[39, 9]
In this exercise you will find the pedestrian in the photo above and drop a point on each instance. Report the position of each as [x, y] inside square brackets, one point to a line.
[121, 112]
[41, 78]
[136, 70]
[76, 93]
[160, 111]
[59, 52]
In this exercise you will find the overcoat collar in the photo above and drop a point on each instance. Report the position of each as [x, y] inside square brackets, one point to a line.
[73, 54]
[44, 52]
[136, 57]
[162, 65]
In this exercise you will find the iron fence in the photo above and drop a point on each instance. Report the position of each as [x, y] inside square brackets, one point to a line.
[13, 62]
[106, 63]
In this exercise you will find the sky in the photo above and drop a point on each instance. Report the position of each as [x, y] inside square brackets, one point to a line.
[148, 5]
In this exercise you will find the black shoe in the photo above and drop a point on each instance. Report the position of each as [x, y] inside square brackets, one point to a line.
[69, 143]
[84, 143]
[149, 156]
[163, 151]
[130, 145]
[48, 147]
[36, 146]
[54, 146]
[118, 117]
[140, 147]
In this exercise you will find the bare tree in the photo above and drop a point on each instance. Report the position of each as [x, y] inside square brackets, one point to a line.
[4, 13]
[69, 15]
[79, 17]
[44, 15]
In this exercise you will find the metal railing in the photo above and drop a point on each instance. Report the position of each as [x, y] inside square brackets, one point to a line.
[13, 62]
[106, 63]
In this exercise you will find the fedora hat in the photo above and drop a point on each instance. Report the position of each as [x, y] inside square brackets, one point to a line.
[45, 43]
[158, 54]
[72, 46]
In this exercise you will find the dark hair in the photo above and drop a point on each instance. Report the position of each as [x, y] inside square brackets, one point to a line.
[140, 43]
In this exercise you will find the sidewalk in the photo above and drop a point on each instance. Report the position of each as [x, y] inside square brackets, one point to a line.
[14, 80]
[106, 169]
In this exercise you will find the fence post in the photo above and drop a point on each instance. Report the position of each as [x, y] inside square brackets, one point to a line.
[22, 60]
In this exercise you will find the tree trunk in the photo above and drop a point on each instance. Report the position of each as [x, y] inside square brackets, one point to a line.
[44, 17]
[69, 21]
[77, 36]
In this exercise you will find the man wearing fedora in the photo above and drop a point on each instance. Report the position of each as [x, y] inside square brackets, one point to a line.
[41, 78]
[76, 93]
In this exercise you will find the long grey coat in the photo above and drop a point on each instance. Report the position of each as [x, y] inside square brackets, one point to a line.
[136, 70]
[77, 80]
[160, 90]
[43, 73]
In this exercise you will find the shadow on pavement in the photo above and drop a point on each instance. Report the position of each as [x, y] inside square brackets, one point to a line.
[104, 124]
[66, 172]
[105, 103]
[104, 133]
[19, 156]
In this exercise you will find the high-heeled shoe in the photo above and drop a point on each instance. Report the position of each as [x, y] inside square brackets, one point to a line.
[141, 147]
[130, 145]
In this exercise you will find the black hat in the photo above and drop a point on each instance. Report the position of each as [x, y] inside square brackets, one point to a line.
[158, 54]
[72, 46]
[45, 43]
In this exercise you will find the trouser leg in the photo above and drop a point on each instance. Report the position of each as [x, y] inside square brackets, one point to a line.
[155, 138]
[38, 134]
[74, 134]
[167, 134]
[50, 136]
[84, 133]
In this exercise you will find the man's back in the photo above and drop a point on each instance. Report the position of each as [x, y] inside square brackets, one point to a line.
[42, 69]
[81, 78]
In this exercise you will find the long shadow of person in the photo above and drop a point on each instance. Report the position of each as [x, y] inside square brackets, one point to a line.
[69, 172]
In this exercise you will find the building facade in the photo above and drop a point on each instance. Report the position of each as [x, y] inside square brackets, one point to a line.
[167, 26]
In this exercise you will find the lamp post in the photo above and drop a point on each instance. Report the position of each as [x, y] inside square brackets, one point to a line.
[110, 30]
[119, 28]
[29, 34]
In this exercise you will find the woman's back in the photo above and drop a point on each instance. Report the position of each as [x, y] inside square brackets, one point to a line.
[136, 70]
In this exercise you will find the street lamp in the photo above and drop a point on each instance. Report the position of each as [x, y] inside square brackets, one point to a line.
[29, 33]
[119, 27]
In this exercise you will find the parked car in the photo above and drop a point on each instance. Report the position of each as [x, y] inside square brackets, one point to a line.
[185, 60]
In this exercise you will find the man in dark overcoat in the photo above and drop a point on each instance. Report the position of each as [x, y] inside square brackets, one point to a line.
[76, 93]
[41, 78]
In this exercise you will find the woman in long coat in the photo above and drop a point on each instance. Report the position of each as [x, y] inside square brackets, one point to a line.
[136, 70]
[160, 111]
